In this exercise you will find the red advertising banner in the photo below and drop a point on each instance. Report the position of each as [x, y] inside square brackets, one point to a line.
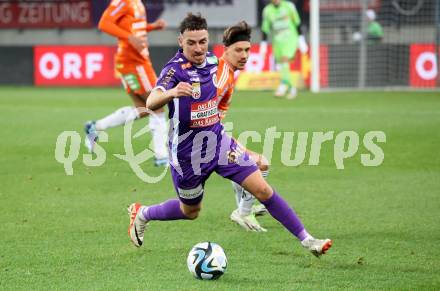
[323, 66]
[423, 70]
[46, 14]
[74, 66]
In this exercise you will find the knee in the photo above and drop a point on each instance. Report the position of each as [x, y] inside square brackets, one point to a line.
[263, 192]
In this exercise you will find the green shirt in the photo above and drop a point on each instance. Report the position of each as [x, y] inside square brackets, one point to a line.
[280, 21]
[374, 31]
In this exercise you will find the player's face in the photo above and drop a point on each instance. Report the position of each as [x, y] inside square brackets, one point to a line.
[237, 54]
[195, 45]
[276, 2]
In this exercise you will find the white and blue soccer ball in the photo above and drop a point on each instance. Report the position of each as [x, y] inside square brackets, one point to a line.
[207, 261]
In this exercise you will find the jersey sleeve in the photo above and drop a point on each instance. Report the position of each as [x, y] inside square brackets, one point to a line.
[108, 21]
[151, 26]
[266, 25]
[168, 78]
[294, 14]
[225, 102]
[225, 87]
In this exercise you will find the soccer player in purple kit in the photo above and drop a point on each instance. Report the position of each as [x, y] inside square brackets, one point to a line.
[199, 146]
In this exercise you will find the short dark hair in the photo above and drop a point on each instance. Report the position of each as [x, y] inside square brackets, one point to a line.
[193, 22]
[238, 32]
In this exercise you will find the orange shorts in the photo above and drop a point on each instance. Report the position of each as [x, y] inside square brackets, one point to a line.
[137, 78]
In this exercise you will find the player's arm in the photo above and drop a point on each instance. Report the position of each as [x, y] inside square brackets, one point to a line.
[160, 96]
[266, 24]
[108, 24]
[109, 18]
[265, 31]
[224, 104]
[157, 25]
[168, 86]
[294, 15]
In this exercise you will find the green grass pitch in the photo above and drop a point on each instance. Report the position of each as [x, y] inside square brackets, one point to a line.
[70, 232]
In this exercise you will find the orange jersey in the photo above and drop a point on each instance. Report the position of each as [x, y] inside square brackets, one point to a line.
[121, 19]
[225, 86]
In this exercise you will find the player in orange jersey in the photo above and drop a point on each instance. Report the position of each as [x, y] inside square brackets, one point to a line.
[126, 20]
[236, 40]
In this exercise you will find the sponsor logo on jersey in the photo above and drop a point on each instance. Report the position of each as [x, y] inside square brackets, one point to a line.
[212, 60]
[131, 81]
[168, 77]
[186, 66]
[196, 90]
[204, 113]
[192, 73]
[190, 193]
[234, 155]
[214, 80]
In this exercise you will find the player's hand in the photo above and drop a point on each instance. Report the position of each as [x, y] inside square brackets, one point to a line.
[182, 89]
[303, 47]
[357, 36]
[160, 24]
[139, 43]
[221, 114]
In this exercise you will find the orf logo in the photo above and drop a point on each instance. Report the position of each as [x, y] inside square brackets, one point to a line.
[74, 66]
[423, 65]
[426, 66]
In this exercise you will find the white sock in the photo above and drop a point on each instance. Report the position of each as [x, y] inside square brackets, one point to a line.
[119, 117]
[238, 192]
[246, 202]
[158, 126]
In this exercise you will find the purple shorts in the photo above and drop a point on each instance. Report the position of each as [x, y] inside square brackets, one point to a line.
[230, 161]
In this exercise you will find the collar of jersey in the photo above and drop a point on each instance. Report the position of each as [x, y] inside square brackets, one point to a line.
[197, 66]
[200, 66]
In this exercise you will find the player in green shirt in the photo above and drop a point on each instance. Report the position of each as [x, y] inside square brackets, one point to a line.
[280, 20]
[374, 33]
[374, 29]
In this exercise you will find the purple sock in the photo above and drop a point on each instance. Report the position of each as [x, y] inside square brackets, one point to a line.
[168, 210]
[281, 211]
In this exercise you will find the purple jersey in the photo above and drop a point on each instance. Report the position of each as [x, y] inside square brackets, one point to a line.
[198, 144]
[190, 115]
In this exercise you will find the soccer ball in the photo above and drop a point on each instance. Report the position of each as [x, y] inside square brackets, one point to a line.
[207, 261]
